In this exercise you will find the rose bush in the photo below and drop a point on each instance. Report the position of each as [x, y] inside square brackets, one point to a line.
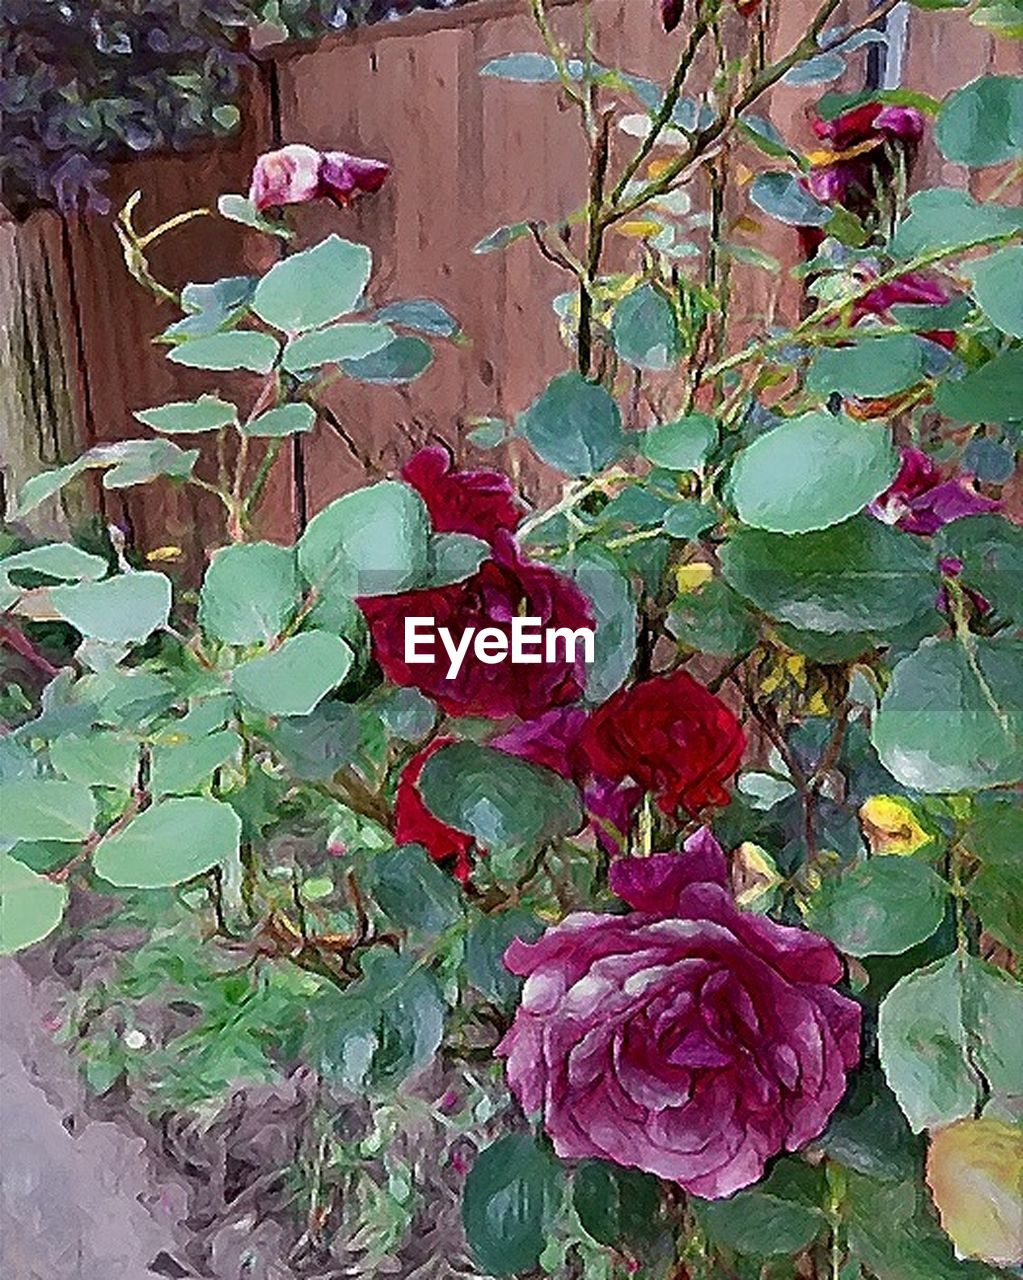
[435, 903]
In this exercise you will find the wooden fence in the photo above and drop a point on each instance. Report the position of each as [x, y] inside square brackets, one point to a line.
[468, 154]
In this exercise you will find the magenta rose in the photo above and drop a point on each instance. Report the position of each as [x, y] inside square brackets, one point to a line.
[506, 586]
[686, 1038]
[297, 174]
[920, 501]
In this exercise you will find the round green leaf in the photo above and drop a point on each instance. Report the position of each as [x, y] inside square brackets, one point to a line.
[873, 368]
[351, 341]
[315, 286]
[422, 314]
[249, 592]
[812, 472]
[782, 196]
[682, 445]
[455, 557]
[861, 575]
[982, 123]
[61, 560]
[488, 940]
[236, 349]
[45, 809]
[943, 1030]
[375, 541]
[169, 843]
[504, 803]
[31, 906]
[412, 891]
[991, 549]
[285, 420]
[645, 329]
[944, 217]
[574, 425]
[782, 1215]
[992, 393]
[291, 680]
[401, 360]
[119, 610]
[880, 907]
[189, 765]
[511, 1196]
[189, 416]
[952, 718]
[616, 1205]
[998, 287]
[96, 759]
[134, 462]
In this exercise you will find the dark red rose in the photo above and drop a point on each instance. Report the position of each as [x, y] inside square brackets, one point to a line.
[343, 176]
[505, 587]
[920, 501]
[476, 502]
[671, 13]
[672, 737]
[685, 1038]
[415, 824]
[912, 288]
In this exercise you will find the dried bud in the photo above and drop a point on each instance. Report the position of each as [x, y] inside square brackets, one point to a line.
[671, 13]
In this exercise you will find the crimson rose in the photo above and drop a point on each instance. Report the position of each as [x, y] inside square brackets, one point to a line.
[415, 824]
[476, 502]
[686, 1038]
[505, 587]
[671, 736]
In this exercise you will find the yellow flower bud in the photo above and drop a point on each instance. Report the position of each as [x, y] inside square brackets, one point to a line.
[691, 577]
[891, 827]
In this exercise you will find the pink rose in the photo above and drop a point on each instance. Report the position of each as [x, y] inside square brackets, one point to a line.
[296, 174]
[685, 1038]
[920, 501]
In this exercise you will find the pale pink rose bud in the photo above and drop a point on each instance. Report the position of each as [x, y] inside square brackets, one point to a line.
[288, 176]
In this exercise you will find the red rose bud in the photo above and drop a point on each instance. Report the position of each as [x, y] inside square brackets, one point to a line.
[343, 177]
[297, 174]
[475, 502]
[672, 737]
[671, 13]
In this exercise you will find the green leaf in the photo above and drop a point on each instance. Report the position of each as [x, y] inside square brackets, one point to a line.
[210, 307]
[401, 361]
[291, 680]
[945, 1034]
[525, 68]
[488, 940]
[38, 488]
[97, 759]
[574, 425]
[952, 718]
[873, 368]
[374, 541]
[241, 209]
[880, 907]
[780, 1216]
[313, 287]
[61, 560]
[118, 610]
[285, 420]
[781, 196]
[45, 809]
[169, 843]
[682, 445]
[945, 217]
[991, 549]
[992, 393]
[982, 123]
[249, 592]
[208, 413]
[383, 1027]
[455, 557]
[995, 836]
[180, 767]
[421, 314]
[858, 576]
[812, 472]
[350, 341]
[616, 1205]
[511, 1197]
[504, 803]
[412, 891]
[714, 620]
[893, 1232]
[998, 287]
[645, 329]
[132, 462]
[501, 237]
[609, 591]
[31, 906]
[236, 349]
